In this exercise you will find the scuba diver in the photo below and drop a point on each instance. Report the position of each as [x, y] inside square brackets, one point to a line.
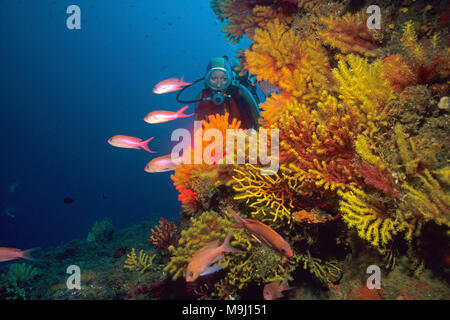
[226, 92]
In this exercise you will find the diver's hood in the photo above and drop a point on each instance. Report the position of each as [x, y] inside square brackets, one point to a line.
[218, 63]
[219, 94]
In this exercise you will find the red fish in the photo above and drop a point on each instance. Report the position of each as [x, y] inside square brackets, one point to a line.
[274, 290]
[202, 262]
[163, 164]
[68, 200]
[164, 116]
[130, 142]
[169, 85]
[264, 233]
[8, 254]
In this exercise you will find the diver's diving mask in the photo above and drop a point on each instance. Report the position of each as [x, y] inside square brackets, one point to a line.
[218, 74]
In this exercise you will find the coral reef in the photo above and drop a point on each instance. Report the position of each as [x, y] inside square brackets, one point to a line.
[363, 177]
[362, 119]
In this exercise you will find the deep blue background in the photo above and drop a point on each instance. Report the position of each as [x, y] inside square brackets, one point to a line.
[63, 93]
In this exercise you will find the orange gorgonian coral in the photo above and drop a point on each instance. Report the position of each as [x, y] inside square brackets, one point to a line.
[185, 172]
[222, 124]
[299, 68]
[243, 16]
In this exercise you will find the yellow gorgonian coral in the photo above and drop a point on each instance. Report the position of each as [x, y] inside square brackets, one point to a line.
[368, 215]
[420, 199]
[325, 271]
[363, 149]
[432, 202]
[142, 262]
[267, 194]
[411, 44]
[264, 265]
[406, 156]
[364, 92]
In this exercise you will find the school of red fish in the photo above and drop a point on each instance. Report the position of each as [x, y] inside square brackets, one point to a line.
[163, 163]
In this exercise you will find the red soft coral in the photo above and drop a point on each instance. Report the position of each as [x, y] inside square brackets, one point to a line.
[164, 235]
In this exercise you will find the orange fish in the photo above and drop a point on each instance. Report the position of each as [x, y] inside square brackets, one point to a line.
[264, 233]
[163, 164]
[164, 116]
[130, 142]
[169, 85]
[8, 254]
[274, 289]
[203, 259]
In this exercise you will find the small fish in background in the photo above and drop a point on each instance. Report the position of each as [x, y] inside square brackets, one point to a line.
[274, 290]
[267, 88]
[164, 116]
[170, 85]
[9, 211]
[120, 252]
[163, 164]
[103, 196]
[68, 200]
[13, 186]
[8, 254]
[128, 142]
[263, 233]
[202, 262]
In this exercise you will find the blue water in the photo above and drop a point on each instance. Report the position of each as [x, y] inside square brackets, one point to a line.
[64, 92]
